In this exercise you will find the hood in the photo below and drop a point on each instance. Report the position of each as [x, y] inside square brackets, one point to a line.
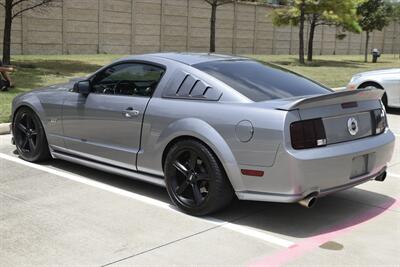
[59, 87]
[380, 72]
[77, 79]
[56, 87]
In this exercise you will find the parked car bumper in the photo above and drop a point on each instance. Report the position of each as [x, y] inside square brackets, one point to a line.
[321, 171]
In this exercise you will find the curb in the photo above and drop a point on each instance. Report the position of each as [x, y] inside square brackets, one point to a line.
[5, 128]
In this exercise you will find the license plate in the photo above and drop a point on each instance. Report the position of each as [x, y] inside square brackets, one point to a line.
[360, 166]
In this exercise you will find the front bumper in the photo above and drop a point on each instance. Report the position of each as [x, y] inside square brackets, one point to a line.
[351, 86]
[299, 173]
[12, 134]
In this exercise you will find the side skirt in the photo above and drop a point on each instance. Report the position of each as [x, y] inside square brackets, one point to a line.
[156, 180]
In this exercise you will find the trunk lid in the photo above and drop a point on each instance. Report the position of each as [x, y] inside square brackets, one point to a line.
[346, 115]
[336, 98]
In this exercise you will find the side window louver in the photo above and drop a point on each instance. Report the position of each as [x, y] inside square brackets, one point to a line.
[185, 85]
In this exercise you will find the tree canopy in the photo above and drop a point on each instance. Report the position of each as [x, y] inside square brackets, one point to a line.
[373, 15]
[341, 13]
[14, 8]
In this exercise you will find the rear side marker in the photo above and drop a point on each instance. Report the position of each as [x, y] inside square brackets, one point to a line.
[252, 173]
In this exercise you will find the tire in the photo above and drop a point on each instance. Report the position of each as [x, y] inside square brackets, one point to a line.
[30, 138]
[375, 86]
[195, 179]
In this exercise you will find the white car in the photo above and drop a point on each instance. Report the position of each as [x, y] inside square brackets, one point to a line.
[386, 79]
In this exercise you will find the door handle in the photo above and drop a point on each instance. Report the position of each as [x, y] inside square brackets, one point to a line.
[130, 112]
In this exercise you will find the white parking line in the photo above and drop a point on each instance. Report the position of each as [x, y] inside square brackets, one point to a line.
[393, 174]
[224, 224]
[257, 234]
[87, 181]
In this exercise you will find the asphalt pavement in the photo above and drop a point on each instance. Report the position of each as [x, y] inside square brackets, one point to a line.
[58, 213]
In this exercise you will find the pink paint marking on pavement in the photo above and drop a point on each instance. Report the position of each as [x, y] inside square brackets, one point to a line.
[298, 250]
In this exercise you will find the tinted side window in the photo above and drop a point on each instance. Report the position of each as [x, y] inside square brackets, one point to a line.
[261, 82]
[131, 79]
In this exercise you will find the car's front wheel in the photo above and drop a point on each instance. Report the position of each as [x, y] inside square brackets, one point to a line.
[195, 179]
[29, 136]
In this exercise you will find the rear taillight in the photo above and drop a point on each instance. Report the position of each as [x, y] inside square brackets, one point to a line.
[379, 122]
[308, 134]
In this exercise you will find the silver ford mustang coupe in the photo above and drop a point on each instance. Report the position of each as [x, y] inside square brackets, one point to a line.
[208, 128]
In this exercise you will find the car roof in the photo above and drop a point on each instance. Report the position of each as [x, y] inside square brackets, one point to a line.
[188, 58]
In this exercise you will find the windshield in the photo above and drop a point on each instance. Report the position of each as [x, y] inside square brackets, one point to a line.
[260, 82]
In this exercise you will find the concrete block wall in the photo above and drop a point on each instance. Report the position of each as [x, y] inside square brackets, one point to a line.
[141, 26]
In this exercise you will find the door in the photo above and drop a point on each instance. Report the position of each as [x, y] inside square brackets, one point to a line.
[106, 124]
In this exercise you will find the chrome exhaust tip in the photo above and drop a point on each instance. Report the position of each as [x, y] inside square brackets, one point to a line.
[308, 202]
[381, 177]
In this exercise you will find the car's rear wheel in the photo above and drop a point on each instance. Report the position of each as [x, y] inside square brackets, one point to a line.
[195, 179]
[371, 85]
[29, 136]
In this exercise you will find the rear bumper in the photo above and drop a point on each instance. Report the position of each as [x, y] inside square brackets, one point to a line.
[298, 173]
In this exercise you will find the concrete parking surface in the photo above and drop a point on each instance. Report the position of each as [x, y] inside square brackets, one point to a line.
[59, 213]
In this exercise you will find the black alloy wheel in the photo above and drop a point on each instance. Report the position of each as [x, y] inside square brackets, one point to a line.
[29, 136]
[195, 180]
[191, 181]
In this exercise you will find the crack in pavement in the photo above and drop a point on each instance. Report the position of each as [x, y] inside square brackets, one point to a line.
[183, 238]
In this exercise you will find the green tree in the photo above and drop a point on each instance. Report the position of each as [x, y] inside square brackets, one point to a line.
[214, 5]
[13, 9]
[396, 15]
[395, 10]
[331, 13]
[294, 14]
[323, 12]
[373, 15]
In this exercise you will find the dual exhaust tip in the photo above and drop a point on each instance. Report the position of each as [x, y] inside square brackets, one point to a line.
[310, 200]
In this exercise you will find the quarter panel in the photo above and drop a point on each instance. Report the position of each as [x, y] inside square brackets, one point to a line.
[215, 124]
[391, 84]
[390, 81]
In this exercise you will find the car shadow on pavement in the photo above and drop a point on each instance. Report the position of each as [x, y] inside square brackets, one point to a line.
[121, 182]
[331, 213]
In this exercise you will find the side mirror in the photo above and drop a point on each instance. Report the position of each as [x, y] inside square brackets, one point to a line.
[82, 87]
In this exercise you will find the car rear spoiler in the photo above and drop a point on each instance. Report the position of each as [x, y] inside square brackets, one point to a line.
[340, 97]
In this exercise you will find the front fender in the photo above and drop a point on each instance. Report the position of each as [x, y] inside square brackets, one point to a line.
[47, 107]
[31, 101]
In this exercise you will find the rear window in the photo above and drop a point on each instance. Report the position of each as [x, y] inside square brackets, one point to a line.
[260, 82]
